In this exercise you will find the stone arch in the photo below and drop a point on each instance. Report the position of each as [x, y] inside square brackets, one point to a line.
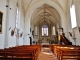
[33, 7]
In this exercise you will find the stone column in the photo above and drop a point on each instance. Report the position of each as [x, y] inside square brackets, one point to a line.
[26, 40]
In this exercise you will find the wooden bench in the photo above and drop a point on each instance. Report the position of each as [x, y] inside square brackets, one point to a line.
[54, 48]
[69, 54]
[66, 51]
[21, 52]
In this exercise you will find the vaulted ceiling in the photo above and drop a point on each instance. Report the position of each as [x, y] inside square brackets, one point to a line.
[45, 13]
[27, 3]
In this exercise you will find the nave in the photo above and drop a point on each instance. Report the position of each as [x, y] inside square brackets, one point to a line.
[40, 52]
[46, 54]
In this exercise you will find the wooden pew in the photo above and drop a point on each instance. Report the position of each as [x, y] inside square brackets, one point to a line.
[21, 52]
[54, 48]
[69, 54]
[2, 54]
[32, 46]
[68, 51]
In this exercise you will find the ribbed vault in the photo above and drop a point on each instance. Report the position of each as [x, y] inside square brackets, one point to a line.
[45, 13]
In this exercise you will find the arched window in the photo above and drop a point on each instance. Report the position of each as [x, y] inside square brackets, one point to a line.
[17, 17]
[73, 16]
[36, 30]
[44, 30]
[53, 30]
[17, 21]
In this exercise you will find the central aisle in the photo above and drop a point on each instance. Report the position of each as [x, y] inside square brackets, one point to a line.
[46, 54]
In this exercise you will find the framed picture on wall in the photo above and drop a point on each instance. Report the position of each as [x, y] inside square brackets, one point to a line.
[1, 17]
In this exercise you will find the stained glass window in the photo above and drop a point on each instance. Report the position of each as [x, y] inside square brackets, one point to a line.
[44, 30]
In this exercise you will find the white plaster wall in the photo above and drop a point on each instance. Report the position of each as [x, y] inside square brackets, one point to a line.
[2, 36]
[12, 17]
[69, 24]
[21, 24]
[70, 29]
[21, 28]
[77, 7]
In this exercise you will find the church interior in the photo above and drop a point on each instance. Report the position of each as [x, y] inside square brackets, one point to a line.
[39, 29]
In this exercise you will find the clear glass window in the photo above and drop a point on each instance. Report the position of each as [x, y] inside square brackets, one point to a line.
[73, 16]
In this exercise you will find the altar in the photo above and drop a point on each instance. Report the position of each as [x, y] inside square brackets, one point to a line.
[45, 41]
[45, 44]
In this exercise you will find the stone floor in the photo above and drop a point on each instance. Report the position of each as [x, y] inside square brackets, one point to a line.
[46, 54]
